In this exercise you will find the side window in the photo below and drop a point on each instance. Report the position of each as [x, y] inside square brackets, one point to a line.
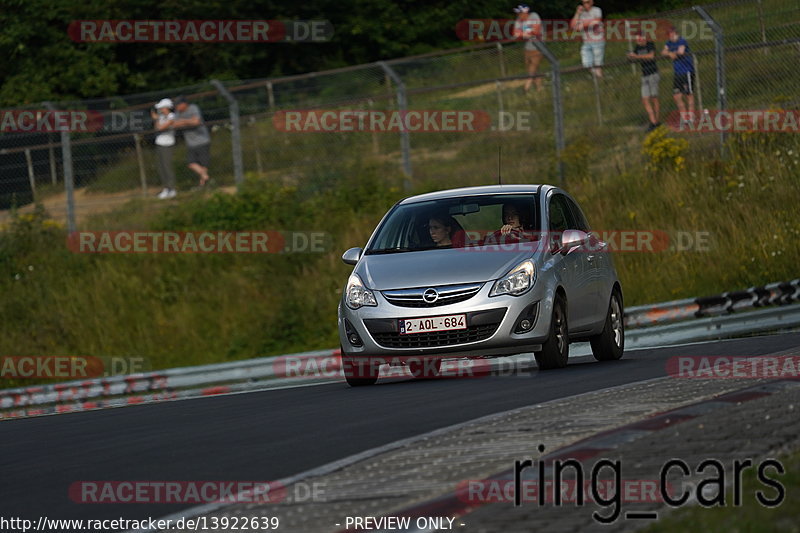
[578, 216]
[560, 216]
[559, 220]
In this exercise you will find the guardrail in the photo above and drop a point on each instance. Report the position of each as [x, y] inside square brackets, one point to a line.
[780, 293]
[689, 320]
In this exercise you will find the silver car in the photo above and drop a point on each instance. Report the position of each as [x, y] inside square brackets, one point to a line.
[478, 272]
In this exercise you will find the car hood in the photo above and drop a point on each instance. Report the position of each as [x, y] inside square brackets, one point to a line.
[436, 267]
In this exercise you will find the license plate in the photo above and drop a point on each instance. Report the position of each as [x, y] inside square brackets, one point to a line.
[434, 323]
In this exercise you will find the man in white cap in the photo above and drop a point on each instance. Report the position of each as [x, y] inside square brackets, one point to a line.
[528, 26]
[163, 121]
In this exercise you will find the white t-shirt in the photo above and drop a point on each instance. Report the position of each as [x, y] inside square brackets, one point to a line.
[592, 25]
[531, 29]
[166, 137]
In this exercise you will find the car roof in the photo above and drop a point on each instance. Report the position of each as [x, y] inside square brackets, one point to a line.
[477, 191]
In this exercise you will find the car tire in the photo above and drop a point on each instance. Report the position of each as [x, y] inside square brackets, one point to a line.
[358, 370]
[425, 369]
[610, 344]
[555, 350]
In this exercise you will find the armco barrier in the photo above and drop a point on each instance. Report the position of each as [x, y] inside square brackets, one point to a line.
[687, 320]
[163, 385]
[781, 293]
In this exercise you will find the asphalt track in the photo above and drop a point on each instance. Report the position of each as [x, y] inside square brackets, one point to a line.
[270, 435]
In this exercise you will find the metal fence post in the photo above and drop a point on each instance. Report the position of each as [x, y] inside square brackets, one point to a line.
[256, 146]
[270, 95]
[66, 163]
[375, 143]
[558, 108]
[762, 26]
[236, 134]
[719, 45]
[402, 104]
[698, 86]
[499, 87]
[137, 139]
[31, 174]
[52, 156]
[501, 59]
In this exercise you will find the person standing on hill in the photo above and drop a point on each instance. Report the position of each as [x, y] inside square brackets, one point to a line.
[645, 54]
[528, 26]
[588, 20]
[677, 49]
[198, 141]
[163, 121]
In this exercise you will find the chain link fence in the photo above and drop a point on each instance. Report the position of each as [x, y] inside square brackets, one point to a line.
[579, 124]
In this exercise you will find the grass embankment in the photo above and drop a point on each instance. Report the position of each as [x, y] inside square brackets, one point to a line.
[191, 309]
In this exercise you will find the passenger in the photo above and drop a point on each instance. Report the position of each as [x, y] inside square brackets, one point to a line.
[516, 227]
[446, 231]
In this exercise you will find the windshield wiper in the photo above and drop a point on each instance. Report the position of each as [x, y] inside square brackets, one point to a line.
[397, 250]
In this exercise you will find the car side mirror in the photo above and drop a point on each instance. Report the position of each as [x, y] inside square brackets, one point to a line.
[571, 239]
[351, 256]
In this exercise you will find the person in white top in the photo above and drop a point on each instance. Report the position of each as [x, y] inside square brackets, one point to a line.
[528, 26]
[588, 20]
[163, 119]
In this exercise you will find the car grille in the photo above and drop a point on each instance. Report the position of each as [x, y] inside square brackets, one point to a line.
[450, 294]
[480, 326]
[438, 338]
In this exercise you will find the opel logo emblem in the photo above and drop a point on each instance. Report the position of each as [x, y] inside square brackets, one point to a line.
[430, 296]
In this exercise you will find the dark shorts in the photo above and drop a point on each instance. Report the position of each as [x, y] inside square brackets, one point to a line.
[683, 84]
[199, 154]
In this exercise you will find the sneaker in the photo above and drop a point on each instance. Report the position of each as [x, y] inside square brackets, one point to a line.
[164, 194]
[171, 193]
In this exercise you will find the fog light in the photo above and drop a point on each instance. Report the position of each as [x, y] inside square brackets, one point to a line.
[352, 335]
[526, 319]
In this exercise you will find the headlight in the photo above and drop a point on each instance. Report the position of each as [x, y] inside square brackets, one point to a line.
[357, 294]
[516, 282]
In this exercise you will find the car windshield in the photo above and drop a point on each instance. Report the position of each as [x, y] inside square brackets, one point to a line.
[457, 223]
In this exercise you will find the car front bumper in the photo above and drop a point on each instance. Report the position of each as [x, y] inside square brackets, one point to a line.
[491, 324]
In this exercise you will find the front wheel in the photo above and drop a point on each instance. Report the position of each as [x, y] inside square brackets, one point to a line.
[609, 345]
[359, 371]
[555, 350]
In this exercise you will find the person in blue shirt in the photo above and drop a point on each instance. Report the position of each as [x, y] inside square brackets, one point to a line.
[677, 49]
